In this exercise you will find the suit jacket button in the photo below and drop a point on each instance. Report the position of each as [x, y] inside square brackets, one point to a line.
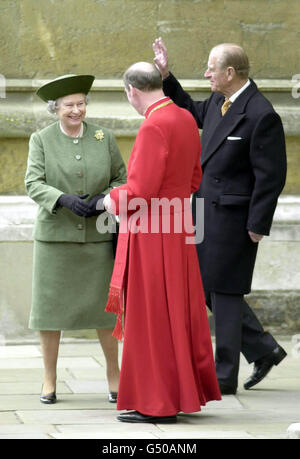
[80, 226]
[75, 141]
[78, 157]
[217, 179]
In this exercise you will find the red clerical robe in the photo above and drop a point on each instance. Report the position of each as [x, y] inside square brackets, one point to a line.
[167, 362]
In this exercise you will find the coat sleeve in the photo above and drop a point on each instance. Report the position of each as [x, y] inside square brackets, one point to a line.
[118, 168]
[174, 90]
[147, 167]
[268, 159]
[35, 177]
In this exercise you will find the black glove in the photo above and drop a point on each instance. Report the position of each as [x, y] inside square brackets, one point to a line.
[95, 206]
[74, 203]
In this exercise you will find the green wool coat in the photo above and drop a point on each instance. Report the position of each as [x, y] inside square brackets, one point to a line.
[60, 164]
[72, 261]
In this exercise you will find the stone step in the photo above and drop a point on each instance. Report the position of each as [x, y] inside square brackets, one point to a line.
[22, 112]
[275, 296]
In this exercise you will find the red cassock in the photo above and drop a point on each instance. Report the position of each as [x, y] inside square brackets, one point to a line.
[167, 361]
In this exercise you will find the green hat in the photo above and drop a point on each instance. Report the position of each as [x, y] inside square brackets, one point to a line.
[64, 86]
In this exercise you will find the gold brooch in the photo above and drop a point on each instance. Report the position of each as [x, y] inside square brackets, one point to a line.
[99, 135]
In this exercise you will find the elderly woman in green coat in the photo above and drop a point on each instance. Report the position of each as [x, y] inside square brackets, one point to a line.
[72, 165]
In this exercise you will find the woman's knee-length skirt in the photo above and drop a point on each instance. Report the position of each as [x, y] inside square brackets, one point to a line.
[70, 285]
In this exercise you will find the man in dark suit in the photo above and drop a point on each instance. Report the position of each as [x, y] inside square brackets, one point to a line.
[244, 170]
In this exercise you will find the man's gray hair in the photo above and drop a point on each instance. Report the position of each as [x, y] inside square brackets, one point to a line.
[53, 105]
[143, 76]
[232, 55]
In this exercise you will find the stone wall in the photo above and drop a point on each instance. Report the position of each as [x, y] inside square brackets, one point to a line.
[21, 113]
[44, 39]
[275, 297]
[47, 38]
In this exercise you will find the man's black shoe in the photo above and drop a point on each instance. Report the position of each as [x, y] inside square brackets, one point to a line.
[264, 365]
[135, 416]
[226, 390]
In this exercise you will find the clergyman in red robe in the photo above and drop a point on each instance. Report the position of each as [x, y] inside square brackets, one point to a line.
[167, 361]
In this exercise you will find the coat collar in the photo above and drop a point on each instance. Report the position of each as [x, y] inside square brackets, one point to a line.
[221, 126]
[157, 105]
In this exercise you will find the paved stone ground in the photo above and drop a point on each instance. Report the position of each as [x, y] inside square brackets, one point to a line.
[83, 411]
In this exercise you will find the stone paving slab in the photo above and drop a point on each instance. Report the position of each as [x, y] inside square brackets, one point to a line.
[65, 402]
[227, 402]
[65, 416]
[26, 436]
[275, 386]
[21, 388]
[257, 424]
[26, 429]
[83, 410]
[30, 375]
[91, 374]
[21, 431]
[119, 427]
[98, 435]
[9, 352]
[206, 434]
[81, 349]
[162, 435]
[8, 417]
[235, 418]
[87, 387]
[281, 402]
[64, 362]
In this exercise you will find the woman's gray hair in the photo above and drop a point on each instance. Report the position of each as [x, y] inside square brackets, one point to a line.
[53, 105]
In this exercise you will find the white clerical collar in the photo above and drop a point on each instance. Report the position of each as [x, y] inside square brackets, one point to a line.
[64, 132]
[236, 94]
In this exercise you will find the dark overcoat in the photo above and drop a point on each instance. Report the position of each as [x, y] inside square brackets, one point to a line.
[244, 171]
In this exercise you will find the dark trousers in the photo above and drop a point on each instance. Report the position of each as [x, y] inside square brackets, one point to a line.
[237, 330]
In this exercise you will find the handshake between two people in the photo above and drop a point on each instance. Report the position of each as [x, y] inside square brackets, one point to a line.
[78, 205]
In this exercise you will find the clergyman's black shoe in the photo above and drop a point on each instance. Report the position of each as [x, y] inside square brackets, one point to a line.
[226, 390]
[264, 365]
[135, 416]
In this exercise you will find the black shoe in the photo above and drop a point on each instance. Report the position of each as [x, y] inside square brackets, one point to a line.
[112, 397]
[135, 416]
[48, 398]
[264, 365]
[227, 390]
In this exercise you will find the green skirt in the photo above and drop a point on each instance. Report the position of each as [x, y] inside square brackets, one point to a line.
[70, 286]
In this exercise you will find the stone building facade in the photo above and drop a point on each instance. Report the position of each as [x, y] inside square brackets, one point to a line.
[45, 39]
